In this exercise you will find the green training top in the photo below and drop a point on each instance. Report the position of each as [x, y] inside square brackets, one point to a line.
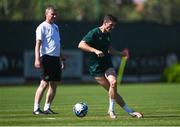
[101, 41]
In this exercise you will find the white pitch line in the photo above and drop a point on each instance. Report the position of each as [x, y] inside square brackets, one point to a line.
[50, 118]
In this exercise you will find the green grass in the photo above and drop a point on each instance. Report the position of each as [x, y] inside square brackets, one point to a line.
[160, 104]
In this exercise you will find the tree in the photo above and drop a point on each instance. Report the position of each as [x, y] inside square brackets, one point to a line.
[166, 11]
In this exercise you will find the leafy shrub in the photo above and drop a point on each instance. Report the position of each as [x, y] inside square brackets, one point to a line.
[172, 74]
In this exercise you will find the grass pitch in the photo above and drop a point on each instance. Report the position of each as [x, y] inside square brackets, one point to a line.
[160, 104]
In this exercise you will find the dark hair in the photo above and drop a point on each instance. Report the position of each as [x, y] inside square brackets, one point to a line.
[110, 17]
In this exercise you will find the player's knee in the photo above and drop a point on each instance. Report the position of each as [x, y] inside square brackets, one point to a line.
[113, 83]
[43, 84]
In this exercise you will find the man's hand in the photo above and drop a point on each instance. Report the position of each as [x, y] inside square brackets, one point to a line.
[37, 64]
[62, 65]
[99, 53]
[125, 53]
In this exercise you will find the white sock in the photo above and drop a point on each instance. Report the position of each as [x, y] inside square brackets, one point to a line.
[111, 104]
[46, 106]
[127, 109]
[36, 106]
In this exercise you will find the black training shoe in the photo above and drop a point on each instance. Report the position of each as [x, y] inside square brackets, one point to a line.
[49, 111]
[38, 112]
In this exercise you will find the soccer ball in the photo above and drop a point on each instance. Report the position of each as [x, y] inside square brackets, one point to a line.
[80, 109]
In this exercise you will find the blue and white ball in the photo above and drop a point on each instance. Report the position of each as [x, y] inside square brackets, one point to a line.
[80, 109]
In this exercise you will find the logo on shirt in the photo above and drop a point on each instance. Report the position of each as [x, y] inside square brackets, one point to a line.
[100, 38]
[56, 29]
[46, 77]
[108, 38]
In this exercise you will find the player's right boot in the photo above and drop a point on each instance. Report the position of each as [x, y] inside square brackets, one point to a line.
[38, 112]
[112, 114]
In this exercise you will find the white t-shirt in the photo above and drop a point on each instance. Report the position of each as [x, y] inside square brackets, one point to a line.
[50, 38]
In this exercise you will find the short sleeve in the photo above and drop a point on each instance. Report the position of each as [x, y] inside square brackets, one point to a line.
[89, 37]
[39, 32]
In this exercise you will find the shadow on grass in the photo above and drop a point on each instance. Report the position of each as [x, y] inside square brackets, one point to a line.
[162, 116]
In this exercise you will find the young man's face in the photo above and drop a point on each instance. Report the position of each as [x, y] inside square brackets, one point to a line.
[51, 15]
[109, 26]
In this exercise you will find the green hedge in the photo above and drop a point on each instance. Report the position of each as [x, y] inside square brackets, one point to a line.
[172, 74]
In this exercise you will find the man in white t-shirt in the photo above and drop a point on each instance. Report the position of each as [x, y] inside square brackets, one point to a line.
[49, 59]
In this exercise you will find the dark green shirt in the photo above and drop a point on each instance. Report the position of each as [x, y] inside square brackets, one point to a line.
[101, 41]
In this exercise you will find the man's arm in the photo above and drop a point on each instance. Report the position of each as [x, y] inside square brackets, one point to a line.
[37, 63]
[115, 52]
[85, 47]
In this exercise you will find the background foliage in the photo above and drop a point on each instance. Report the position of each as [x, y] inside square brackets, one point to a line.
[159, 11]
[172, 74]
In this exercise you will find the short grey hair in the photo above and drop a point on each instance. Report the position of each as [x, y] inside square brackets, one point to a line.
[50, 7]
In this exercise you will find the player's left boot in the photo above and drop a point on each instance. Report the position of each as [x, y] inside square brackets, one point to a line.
[136, 114]
[112, 114]
[49, 111]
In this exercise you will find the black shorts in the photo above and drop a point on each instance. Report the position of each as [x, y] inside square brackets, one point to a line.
[51, 68]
